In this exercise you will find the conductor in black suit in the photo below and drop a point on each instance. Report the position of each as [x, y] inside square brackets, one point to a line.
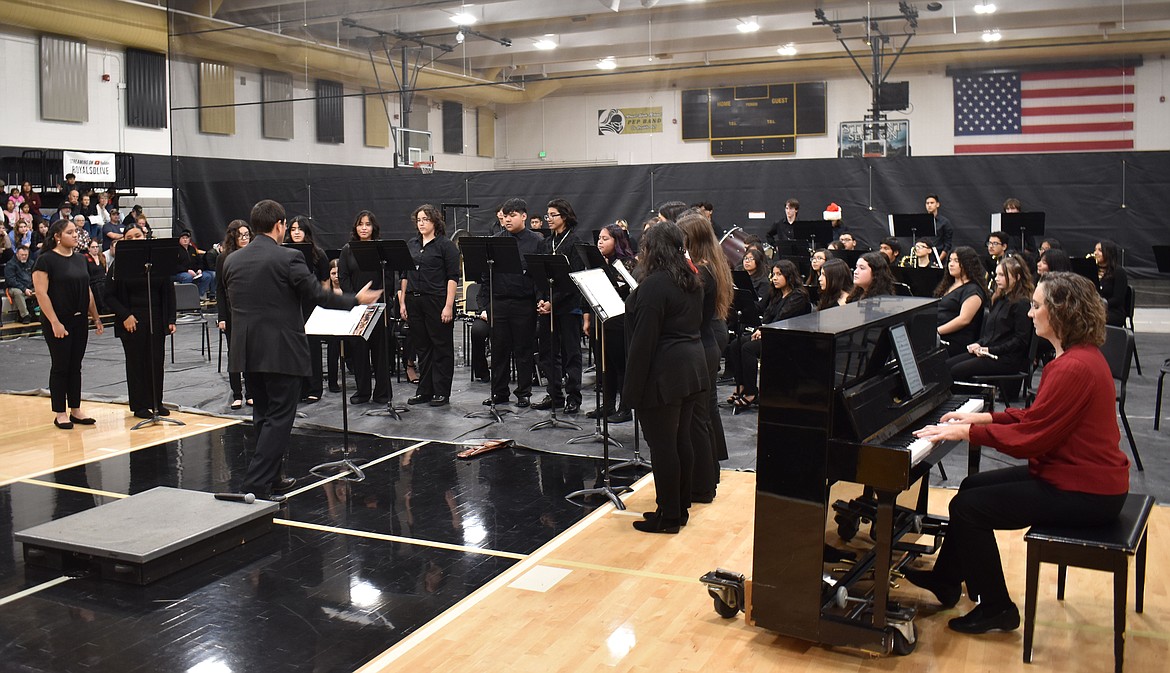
[266, 286]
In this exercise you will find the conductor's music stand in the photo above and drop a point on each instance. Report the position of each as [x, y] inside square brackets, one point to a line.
[487, 256]
[139, 260]
[334, 323]
[384, 256]
[606, 304]
[551, 271]
[1022, 226]
[818, 233]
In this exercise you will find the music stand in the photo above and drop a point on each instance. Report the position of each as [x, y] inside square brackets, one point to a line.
[488, 255]
[468, 207]
[1085, 266]
[137, 260]
[343, 325]
[603, 298]
[305, 249]
[1022, 225]
[591, 257]
[907, 225]
[384, 256]
[818, 233]
[850, 257]
[551, 271]
[920, 280]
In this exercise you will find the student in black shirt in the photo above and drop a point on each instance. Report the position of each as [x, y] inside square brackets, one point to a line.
[61, 279]
[427, 302]
[561, 359]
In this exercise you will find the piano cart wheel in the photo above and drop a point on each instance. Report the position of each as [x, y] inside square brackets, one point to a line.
[725, 611]
[903, 638]
[847, 526]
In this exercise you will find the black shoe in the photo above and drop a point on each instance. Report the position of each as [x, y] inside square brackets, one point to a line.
[439, 401]
[82, 421]
[546, 404]
[651, 516]
[359, 399]
[26, 319]
[984, 620]
[163, 411]
[67, 425]
[572, 407]
[334, 388]
[600, 412]
[143, 413]
[834, 555]
[658, 524]
[622, 416]
[704, 497]
[283, 485]
[380, 399]
[271, 497]
[522, 402]
[418, 399]
[311, 399]
[946, 593]
[490, 401]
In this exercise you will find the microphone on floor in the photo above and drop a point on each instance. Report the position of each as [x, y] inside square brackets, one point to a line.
[246, 498]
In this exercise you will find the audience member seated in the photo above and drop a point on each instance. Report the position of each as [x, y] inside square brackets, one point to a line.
[18, 277]
[193, 266]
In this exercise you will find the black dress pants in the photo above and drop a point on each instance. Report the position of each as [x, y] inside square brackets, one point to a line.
[434, 343]
[368, 354]
[480, 333]
[667, 429]
[65, 356]
[513, 336]
[143, 365]
[311, 386]
[274, 409]
[1008, 499]
[560, 355]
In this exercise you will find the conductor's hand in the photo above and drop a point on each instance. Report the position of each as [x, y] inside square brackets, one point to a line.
[368, 296]
[59, 330]
[543, 307]
[130, 323]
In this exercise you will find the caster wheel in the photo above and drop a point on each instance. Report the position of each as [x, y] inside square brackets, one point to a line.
[725, 611]
[846, 527]
[901, 644]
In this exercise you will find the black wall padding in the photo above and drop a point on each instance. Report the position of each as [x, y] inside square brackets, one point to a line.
[1085, 195]
[452, 127]
[146, 89]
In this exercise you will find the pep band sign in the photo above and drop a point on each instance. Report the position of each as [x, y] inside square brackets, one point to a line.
[89, 166]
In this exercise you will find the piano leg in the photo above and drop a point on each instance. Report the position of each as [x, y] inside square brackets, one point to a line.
[884, 527]
[974, 453]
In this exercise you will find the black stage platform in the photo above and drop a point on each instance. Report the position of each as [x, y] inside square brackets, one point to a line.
[348, 570]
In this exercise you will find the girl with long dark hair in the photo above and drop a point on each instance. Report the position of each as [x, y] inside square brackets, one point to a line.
[1002, 347]
[300, 231]
[835, 283]
[613, 242]
[1112, 281]
[238, 235]
[365, 357]
[787, 299]
[872, 277]
[961, 295]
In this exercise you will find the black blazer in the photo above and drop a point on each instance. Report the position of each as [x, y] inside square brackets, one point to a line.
[129, 298]
[1007, 331]
[664, 354]
[266, 286]
[1112, 289]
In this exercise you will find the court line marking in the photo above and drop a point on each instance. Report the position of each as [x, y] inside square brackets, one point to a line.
[68, 487]
[32, 590]
[502, 580]
[398, 538]
[582, 565]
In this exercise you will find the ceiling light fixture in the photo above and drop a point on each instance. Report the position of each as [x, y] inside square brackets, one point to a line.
[985, 8]
[607, 63]
[545, 43]
[992, 35]
[787, 50]
[749, 26]
[460, 37]
[464, 17]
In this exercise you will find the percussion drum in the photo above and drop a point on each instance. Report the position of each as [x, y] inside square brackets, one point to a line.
[734, 245]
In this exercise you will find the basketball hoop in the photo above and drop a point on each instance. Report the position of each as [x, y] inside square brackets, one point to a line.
[425, 167]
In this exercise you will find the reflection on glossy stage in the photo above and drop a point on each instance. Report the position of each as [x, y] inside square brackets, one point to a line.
[351, 568]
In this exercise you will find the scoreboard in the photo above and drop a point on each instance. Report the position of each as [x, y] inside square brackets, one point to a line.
[761, 119]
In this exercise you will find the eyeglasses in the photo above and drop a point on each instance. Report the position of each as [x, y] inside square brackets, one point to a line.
[921, 246]
[995, 243]
[552, 215]
[243, 235]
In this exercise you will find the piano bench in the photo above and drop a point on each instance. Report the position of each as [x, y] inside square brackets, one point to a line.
[1106, 548]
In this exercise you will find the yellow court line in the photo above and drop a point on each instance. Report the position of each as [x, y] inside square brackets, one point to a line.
[32, 590]
[340, 475]
[621, 571]
[79, 489]
[502, 580]
[398, 538]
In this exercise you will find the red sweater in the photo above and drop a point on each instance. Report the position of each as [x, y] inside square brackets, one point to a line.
[1069, 435]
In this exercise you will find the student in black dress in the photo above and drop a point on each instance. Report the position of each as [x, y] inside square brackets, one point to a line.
[427, 303]
[300, 230]
[613, 242]
[708, 439]
[1052, 259]
[666, 368]
[788, 299]
[561, 360]
[133, 305]
[237, 236]
[61, 279]
[1112, 281]
[961, 295]
[370, 354]
[872, 277]
[1007, 329]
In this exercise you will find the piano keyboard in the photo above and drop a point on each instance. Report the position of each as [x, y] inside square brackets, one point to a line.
[921, 447]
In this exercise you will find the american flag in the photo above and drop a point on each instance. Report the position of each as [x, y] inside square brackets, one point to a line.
[1044, 111]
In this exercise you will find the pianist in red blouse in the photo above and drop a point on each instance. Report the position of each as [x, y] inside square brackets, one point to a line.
[1076, 473]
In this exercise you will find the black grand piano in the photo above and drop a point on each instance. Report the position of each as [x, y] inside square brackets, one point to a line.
[841, 393]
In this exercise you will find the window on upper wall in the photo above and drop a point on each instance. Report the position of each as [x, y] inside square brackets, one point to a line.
[330, 112]
[277, 111]
[64, 79]
[146, 89]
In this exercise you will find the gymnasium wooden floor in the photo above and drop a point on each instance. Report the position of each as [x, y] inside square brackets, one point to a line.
[601, 596]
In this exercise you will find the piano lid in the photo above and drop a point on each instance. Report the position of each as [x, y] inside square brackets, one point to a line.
[853, 316]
